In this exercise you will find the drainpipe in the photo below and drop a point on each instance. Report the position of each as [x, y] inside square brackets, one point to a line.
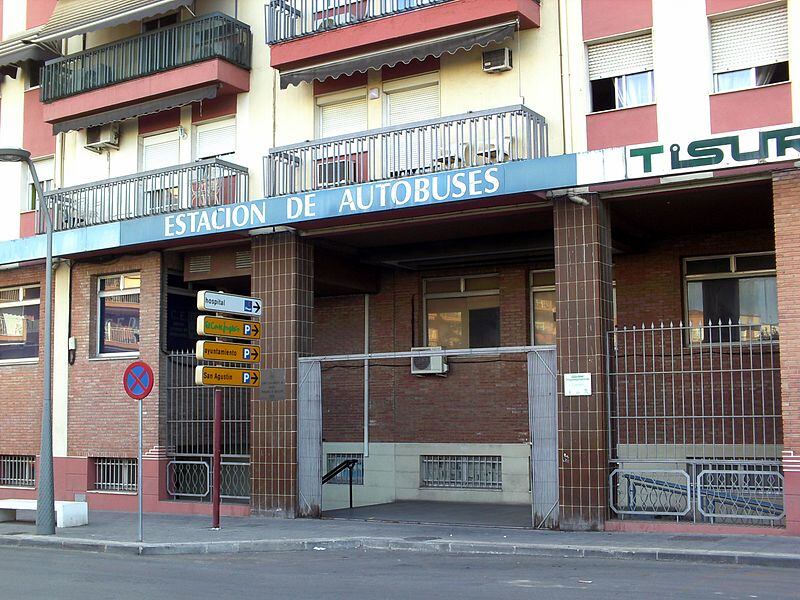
[366, 376]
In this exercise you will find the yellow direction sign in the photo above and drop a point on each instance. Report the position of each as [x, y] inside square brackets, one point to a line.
[227, 352]
[227, 377]
[231, 328]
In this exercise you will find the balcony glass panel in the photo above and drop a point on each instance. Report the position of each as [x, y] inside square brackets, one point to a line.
[211, 36]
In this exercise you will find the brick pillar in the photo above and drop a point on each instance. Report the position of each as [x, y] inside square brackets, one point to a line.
[584, 307]
[786, 207]
[283, 278]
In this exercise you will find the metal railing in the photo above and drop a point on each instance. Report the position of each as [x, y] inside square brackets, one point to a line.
[212, 182]
[211, 36]
[115, 474]
[334, 474]
[466, 140]
[17, 470]
[291, 19]
[695, 426]
[193, 479]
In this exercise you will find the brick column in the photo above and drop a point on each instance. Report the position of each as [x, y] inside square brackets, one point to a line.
[786, 207]
[283, 278]
[584, 307]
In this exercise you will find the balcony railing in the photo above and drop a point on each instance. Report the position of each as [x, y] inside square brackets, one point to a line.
[290, 19]
[211, 36]
[212, 182]
[467, 140]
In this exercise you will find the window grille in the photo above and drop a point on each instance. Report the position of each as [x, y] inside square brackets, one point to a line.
[336, 458]
[463, 472]
[17, 470]
[115, 474]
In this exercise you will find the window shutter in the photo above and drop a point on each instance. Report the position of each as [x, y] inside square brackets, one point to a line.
[408, 106]
[750, 40]
[343, 118]
[620, 57]
[216, 139]
[160, 151]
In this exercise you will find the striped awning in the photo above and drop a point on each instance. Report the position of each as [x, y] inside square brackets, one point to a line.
[388, 57]
[74, 17]
[22, 47]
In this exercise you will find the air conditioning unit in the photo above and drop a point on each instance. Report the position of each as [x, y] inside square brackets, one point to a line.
[428, 365]
[102, 137]
[337, 171]
[497, 61]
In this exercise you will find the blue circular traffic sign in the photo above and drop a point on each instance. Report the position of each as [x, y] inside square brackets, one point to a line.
[138, 380]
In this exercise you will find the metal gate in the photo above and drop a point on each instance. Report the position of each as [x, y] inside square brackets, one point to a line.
[189, 435]
[543, 413]
[695, 428]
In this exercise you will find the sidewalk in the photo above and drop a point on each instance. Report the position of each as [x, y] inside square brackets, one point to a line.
[168, 534]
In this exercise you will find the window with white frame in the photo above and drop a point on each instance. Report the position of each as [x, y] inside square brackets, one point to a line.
[216, 139]
[340, 114]
[732, 298]
[750, 50]
[341, 117]
[160, 151]
[45, 171]
[463, 312]
[412, 100]
[118, 314]
[621, 73]
[19, 323]
[543, 307]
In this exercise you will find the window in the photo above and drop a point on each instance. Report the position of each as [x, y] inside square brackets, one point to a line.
[342, 118]
[621, 73]
[181, 313]
[118, 314]
[465, 472]
[158, 23]
[412, 100]
[33, 73]
[160, 151]
[162, 193]
[543, 308]
[463, 312]
[45, 170]
[750, 50]
[336, 458]
[19, 323]
[115, 474]
[18, 470]
[216, 139]
[335, 164]
[732, 298]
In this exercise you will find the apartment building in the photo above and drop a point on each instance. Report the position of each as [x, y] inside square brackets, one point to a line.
[524, 262]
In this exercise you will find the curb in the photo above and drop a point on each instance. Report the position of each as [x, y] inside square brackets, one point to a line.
[759, 559]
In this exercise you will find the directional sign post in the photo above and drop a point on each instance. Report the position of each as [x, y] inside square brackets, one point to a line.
[138, 381]
[219, 377]
[229, 304]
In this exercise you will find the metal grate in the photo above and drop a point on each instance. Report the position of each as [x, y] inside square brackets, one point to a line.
[18, 470]
[465, 472]
[115, 474]
[336, 458]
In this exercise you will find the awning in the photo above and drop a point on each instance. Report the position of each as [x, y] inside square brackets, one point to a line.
[73, 17]
[436, 47]
[21, 47]
[137, 110]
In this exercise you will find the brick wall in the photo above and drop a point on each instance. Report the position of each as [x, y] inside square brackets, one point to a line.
[102, 419]
[21, 395]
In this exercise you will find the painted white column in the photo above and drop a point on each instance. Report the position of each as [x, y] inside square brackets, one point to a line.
[794, 56]
[682, 68]
[61, 304]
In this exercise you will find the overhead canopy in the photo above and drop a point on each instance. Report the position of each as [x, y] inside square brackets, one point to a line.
[74, 17]
[405, 53]
[21, 47]
[137, 110]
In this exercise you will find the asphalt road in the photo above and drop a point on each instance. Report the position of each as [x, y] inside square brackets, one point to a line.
[33, 574]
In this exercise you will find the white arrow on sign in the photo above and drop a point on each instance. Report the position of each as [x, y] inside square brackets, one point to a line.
[228, 303]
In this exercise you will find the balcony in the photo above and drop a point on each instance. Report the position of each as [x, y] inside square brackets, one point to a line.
[211, 36]
[461, 141]
[201, 184]
[291, 19]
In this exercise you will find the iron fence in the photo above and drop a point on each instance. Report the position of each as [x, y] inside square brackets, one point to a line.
[695, 427]
[189, 479]
[201, 184]
[115, 474]
[467, 140]
[18, 470]
[290, 19]
[211, 36]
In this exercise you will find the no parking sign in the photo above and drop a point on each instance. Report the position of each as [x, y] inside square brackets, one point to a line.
[138, 380]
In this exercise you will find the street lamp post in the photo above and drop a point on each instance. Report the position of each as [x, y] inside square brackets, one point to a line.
[45, 497]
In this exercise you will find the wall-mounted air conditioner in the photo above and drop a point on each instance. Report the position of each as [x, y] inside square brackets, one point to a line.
[428, 365]
[497, 61]
[102, 137]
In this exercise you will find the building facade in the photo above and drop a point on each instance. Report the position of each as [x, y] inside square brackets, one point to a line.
[533, 256]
